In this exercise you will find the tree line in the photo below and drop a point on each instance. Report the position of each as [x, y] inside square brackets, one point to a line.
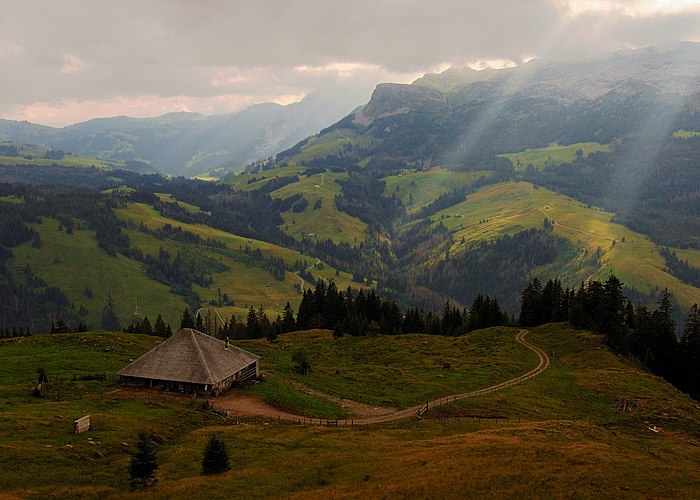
[648, 334]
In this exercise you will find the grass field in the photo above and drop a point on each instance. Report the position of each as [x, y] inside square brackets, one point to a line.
[688, 254]
[424, 187]
[326, 221]
[139, 212]
[248, 285]
[506, 208]
[31, 154]
[73, 262]
[168, 198]
[686, 134]
[564, 435]
[413, 368]
[242, 180]
[552, 155]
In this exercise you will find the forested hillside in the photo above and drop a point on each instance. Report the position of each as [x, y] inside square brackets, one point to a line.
[454, 187]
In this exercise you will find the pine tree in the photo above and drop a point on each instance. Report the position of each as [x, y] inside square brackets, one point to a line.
[110, 320]
[143, 465]
[215, 459]
[146, 327]
[186, 320]
[690, 352]
[611, 318]
[159, 329]
[288, 323]
[252, 326]
[664, 344]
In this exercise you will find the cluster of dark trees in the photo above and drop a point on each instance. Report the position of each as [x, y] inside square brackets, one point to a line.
[362, 196]
[159, 329]
[364, 312]
[497, 268]
[680, 268]
[60, 326]
[602, 307]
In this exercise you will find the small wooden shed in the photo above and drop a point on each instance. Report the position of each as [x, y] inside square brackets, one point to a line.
[192, 362]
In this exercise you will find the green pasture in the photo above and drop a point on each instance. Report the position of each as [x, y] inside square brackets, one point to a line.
[506, 208]
[559, 434]
[412, 368]
[33, 154]
[417, 189]
[324, 222]
[168, 198]
[691, 255]
[36, 433]
[553, 155]
[72, 262]
[242, 180]
[247, 285]
[686, 134]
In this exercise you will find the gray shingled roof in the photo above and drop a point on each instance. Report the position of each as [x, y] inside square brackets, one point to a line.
[190, 356]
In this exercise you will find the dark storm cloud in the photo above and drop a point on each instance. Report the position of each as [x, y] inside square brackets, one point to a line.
[230, 53]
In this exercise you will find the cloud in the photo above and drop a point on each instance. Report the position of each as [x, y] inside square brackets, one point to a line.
[160, 51]
[72, 64]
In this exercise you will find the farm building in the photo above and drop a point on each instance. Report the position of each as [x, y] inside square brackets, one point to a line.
[193, 362]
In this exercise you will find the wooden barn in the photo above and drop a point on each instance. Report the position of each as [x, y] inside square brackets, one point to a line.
[192, 362]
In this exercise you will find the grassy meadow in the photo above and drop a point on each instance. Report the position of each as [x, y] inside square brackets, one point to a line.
[424, 187]
[74, 261]
[553, 155]
[564, 434]
[506, 208]
[33, 154]
[412, 368]
[323, 222]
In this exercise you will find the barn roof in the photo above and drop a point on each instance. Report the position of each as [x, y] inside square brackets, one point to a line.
[190, 356]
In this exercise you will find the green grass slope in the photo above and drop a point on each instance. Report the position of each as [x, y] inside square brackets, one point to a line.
[246, 284]
[412, 368]
[506, 208]
[417, 189]
[553, 155]
[323, 222]
[565, 434]
[32, 154]
[73, 262]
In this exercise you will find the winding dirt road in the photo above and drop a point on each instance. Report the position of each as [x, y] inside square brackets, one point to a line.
[248, 406]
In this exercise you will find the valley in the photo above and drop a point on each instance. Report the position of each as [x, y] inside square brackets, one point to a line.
[479, 283]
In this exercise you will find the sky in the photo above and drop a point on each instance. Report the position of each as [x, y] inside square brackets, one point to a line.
[66, 61]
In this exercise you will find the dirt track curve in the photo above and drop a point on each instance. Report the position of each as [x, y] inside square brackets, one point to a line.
[243, 406]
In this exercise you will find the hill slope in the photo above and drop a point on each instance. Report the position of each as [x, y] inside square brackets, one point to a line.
[565, 432]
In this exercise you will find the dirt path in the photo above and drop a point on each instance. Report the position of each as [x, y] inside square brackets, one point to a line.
[239, 404]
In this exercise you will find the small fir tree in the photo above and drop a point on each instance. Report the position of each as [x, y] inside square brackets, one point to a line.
[143, 465]
[215, 459]
[186, 321]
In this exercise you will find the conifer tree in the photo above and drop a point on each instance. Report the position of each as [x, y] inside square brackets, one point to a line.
[159, 328]
[288, 323]
[215, 459]
[146, 327]
[110, 320]
[143, 465]
[186, 320]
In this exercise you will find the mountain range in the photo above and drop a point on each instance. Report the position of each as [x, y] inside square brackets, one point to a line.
[190, 143]
[460, 184]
